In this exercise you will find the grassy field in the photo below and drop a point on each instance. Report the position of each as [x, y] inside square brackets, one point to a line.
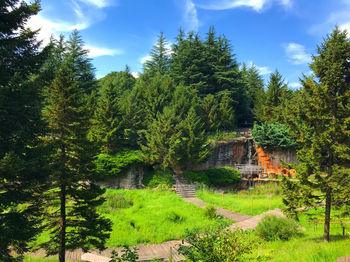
[251, 202]
[146, 216]
[308, 248]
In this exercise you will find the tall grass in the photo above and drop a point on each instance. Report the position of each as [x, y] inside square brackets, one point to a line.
[252, 202]
[153, 217]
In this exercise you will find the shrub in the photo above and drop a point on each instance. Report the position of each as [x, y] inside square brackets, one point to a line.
[127, 255]
[271, 136]
[112, 165]
[215, 176]
[217, 244]
[210, 212]
[272, 228]
[116, 201]
[159, 179]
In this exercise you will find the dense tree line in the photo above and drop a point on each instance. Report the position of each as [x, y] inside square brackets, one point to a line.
[56, 118]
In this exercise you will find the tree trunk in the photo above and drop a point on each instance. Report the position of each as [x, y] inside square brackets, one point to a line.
[327, 217]
[62, 247]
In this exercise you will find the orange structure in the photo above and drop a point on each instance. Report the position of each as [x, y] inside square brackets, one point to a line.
[271, 166]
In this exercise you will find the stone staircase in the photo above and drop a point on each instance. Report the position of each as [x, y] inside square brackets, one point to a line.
[183, 188]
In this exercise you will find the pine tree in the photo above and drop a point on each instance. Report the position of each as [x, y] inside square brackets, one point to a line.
[254, 85]
[77, 223]
[176, 138]
[210, 112]
[321, 125]
[107, 124]
[275, 97]
[226, 113]
[160, 54]
[22, 156]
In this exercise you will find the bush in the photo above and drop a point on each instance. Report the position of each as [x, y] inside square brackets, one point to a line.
[272, 228]
[271, 136]
[159, 179]
[215, 176]
[217, 244]
[210, 212]
[111, 165]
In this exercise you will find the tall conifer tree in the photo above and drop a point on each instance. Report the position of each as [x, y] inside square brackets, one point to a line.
[321, 125]
[22, 159]
[77, 223]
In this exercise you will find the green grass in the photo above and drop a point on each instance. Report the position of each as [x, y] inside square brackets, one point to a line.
[250, 203]
[310, 247]
[154, 217]
[28, 258]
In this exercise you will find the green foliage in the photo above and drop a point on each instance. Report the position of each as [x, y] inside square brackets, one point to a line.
[272, 228]
[127, 255]
[217, 244]
[210, 212]
[23, 163]
[108, 165]
[73, 196]
[108, 122]
[320, 124]
[160, 58]
[159, 179]
[212, 138]
[220, 176]
[254, 85]
[118, 202]
[175, 137]
[272, 136]
[276, 99]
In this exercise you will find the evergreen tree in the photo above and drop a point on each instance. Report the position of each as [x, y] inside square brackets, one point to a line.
[254, 85]
[226, 113]
[160, 55]
[321, 126]
[176, 138]
[107, 124]
[188, 61]
[77, 223]
[210, 111]
[22, 156]
[275, 97]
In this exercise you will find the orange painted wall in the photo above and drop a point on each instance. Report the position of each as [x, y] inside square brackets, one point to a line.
[271, 169]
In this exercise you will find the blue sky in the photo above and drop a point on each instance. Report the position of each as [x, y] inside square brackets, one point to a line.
[272, 34]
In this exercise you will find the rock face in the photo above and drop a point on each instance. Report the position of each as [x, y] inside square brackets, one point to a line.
[270, 161]
[131, 179]
[242, 154]
[238, 151]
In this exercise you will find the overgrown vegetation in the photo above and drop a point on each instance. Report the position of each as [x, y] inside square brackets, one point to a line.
[159, 179]
[271, 136]
[218, 244]
[221, 136]
[221, 176]
[109, 165]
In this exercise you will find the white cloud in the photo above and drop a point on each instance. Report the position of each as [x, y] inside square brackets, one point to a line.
[297, 54]
[190, 16]
[135, 74]
[257, 5]
[294, 85]
[98, 51]
[263, 70]
[98, 3]
[145, 59]
[48, 27]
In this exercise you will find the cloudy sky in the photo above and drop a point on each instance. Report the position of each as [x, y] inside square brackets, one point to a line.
[272, 34]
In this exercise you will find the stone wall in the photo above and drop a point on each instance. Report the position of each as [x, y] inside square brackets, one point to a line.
[131, 179]
[230, 153]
